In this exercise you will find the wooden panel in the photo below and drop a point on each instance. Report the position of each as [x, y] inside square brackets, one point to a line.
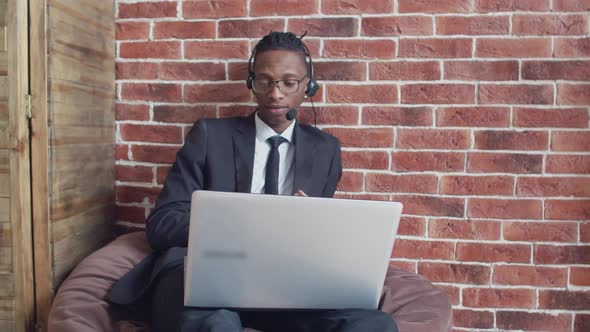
[6, 310]
[80, 98]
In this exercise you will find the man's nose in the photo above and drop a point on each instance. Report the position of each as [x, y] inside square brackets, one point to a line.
[275, 93]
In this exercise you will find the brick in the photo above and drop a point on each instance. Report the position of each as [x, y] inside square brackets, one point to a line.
[357, 7]
[136, 70]
[473, 117]
[566, 254]
[567, 209]
[363, 137]
[221, 92]
[121, 152]
[388, 26]
[150, 50]
[249, 28]
[235, 110]
[412, 226]
[213, 8]
[237, 71]
[504, 163]
[351, 181]
[131, 194]
[473, 25]
[162, 174]
[438, 94]
[515, 94]
[433, 139]
[435, 48]
[557, 118]
[330, 115]
[464, 229]
[556, 70]
[132, 112]
[473, 319]
[128, 173]
[369, 93]
[367, 197]
[453, 293]
[151, 92]
[572, 47]
[549, 24]
[492, 252]
[573, 94]
[569, 164]
[192, 71]
[397, 116]
[481, 70]
[404, 70]
[182, 114]
[154, 153]
[365, 159]
[584, 232]
[486, 6]
[132, 214]
[147, 10]
[359, 49]
[235, 49]
[440, 6]
[544, 231]
[404, 265]
[553, 186]
[582, 322]
[580, 276]
[415, 161]
[184, 30]
[570, 141]
[340, 71]
[513, 48]
[401, 183]
[511, 140]
[432, 206]
[564, 299]
[455, 273]
[283, 8]
[418, 249]
[529, 275]
[132, 30]
[571, 6]
[325, 27]
[151, 133]
[476, 185]
[533, 321]
[499, 298]
[505, 208]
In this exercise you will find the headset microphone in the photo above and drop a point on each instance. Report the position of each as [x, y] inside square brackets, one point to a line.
[291, 114]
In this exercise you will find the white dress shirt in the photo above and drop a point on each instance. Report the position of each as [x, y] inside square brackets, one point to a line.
[261, 151]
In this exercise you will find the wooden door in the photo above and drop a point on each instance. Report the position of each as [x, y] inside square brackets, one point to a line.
[16, 276]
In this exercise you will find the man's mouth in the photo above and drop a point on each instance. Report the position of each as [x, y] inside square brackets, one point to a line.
[275, 109]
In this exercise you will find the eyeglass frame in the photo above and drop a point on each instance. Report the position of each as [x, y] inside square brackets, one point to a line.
[278, 85]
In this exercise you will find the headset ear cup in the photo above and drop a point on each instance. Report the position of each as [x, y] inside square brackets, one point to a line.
[312, 88]
[249, 81]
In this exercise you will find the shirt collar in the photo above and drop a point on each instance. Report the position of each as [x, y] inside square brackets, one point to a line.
[263, 131]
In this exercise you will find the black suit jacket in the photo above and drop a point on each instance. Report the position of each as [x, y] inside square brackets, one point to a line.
[218, 154]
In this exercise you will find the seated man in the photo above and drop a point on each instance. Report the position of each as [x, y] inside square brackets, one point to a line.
[267, 152]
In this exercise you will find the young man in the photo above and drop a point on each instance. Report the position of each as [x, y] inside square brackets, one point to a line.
[266, 152]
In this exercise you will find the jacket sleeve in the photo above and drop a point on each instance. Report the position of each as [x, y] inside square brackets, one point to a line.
[168, 223]
[335, 172]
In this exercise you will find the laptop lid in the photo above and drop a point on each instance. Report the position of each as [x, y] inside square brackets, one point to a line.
[287, 252]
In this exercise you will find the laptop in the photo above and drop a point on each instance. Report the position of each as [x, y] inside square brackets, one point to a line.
[255, 251]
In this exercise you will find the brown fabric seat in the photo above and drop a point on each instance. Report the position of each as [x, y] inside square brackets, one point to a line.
[80, 303]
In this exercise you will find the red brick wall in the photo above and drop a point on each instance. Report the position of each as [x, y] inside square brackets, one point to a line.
[473, 113]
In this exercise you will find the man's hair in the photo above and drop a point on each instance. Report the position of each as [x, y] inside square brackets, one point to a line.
[281, 41]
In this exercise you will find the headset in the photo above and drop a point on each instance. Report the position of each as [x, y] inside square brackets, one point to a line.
[312, 85]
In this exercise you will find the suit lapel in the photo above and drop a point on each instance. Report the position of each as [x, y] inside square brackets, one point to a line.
[244, 140]
[304, 151]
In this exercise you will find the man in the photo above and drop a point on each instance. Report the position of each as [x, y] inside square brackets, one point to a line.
[266, 152]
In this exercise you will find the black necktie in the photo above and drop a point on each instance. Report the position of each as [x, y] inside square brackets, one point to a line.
[271, 182]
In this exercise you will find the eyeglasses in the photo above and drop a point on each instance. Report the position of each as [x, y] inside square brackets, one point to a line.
[287, 87]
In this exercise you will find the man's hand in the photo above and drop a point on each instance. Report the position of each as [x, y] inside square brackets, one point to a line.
[300, 193]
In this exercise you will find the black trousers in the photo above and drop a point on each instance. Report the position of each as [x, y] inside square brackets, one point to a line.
[169, 314]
